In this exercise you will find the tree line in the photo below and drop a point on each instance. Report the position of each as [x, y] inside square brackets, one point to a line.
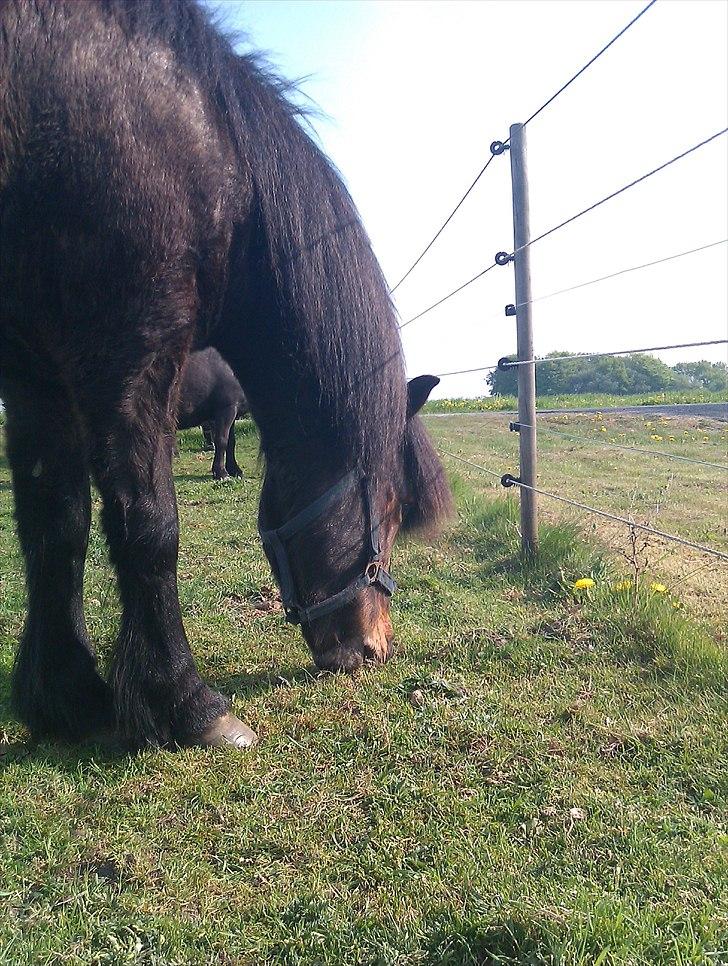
[617, 375]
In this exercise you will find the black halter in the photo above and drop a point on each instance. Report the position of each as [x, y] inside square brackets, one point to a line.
[375, 575]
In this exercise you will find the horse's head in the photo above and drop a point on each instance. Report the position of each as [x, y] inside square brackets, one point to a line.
[331, 554]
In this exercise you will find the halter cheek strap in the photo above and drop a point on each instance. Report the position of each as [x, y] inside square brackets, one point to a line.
[374, 575]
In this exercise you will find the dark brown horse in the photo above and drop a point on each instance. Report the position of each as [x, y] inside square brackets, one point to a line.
[212, 397]
[159, 192]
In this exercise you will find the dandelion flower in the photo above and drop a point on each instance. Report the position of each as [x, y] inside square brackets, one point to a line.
[583, 583]
[657, 438]
[677, 605]
[604, 429]
[623, 585]
[658, 588]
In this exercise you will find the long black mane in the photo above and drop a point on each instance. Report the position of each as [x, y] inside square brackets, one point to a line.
[329, 314]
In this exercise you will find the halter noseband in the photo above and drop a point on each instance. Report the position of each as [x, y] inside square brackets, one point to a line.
[375, 574]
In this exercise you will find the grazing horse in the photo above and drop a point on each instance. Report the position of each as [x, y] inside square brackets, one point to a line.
[211, 396]
[159, 192]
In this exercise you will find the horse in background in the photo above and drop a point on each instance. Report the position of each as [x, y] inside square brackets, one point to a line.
[158, 190]
[211, 397]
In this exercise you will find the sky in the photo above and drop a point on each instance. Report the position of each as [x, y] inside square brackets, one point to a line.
[412, 93]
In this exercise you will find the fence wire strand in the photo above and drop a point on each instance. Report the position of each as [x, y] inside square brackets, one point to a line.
[588, 64]
[602, 513]
[487, 164]
[477, 466]
[616, 352]
[580, 355]
[448, 296]
[442, 227]
[631, 449]
[623, 271]
[620, 191]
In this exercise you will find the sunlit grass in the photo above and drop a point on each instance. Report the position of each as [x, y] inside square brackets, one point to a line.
[584, 400]
[554, 794]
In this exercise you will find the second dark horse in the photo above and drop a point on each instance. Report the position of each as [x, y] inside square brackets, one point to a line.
[158, 191]
[213, 398]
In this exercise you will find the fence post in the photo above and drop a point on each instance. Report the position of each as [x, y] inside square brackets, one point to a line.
[526, 374]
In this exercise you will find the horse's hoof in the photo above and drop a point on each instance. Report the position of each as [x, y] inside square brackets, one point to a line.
[227, 730]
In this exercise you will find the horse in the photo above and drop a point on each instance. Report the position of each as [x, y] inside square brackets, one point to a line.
[161, 192]
[212, 397]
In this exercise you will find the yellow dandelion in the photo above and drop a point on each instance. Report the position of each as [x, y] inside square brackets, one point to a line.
[623, 585]
[583, 583]
[671, 438]
[603, 429]
[658, 588]
[677, 605]
[657, 438]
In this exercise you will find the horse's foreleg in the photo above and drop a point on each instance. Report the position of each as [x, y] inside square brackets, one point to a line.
[56, 689]
[208, 443]
[158, 693]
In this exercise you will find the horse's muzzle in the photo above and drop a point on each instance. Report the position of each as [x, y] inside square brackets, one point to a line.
[349, 656]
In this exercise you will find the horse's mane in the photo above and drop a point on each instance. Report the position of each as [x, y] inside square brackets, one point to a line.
[330, 309]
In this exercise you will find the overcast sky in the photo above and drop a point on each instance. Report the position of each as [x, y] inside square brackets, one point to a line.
[414, 91]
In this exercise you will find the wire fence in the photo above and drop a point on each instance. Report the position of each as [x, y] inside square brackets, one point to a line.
[530, 360]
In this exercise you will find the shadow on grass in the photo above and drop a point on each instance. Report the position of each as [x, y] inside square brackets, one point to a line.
[505, 944]
[245, 685]
[69, 758]
[492, 530]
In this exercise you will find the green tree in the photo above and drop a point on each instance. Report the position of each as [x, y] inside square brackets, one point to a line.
[619, 375]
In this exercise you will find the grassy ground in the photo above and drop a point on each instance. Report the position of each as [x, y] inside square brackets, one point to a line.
[580, 458]
[585, 400]
[555, 794]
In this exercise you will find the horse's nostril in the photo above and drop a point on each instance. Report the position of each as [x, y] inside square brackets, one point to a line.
[339, 659]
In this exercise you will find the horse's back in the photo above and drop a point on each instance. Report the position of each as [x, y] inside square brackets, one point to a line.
[114, 180]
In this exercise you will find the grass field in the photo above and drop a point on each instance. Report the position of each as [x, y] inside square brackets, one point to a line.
[584, 400]
[555, 793]
[581, 456]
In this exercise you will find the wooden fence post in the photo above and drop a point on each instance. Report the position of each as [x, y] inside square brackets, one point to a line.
[526, 374]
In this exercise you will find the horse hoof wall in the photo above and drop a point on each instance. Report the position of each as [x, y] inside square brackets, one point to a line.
[228, 731]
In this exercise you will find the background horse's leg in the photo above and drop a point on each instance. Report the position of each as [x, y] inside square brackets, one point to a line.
[208, 443]
[56, 689]
[158, 693]
[224, 420]
[231, 464]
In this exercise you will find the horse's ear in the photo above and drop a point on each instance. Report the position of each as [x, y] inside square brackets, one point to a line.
[418, 391]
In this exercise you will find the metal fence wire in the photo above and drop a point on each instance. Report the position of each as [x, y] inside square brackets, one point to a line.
[525, 362]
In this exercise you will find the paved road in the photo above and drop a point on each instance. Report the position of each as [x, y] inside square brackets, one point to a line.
[702, 410]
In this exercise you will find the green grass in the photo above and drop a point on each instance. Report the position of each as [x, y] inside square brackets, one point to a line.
[556, 795]
[580, 458]
[585, 400]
